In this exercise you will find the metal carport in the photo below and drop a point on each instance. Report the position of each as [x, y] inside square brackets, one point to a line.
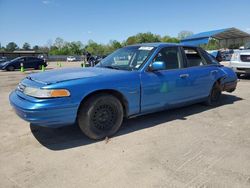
[226, 37]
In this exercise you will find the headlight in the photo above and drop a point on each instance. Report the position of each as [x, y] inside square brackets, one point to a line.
[46, 93]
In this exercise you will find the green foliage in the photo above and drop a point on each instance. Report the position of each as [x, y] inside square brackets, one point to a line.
[11, 47]
[143, 38]
[26, 46]
[213, 44]
[61, 47]
[170, 39]
[36, 48]
[184, 34]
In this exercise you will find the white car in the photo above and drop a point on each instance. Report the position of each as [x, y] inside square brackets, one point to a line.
[71, 58]
[240, 62]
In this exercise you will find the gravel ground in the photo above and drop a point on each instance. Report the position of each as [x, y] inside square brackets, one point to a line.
[195, 146]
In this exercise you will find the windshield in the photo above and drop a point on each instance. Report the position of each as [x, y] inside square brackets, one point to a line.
[16, 59]
[127, 58]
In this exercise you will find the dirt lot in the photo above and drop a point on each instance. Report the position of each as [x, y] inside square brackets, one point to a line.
[195, 146]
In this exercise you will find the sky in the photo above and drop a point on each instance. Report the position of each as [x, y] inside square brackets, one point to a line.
[40, 22]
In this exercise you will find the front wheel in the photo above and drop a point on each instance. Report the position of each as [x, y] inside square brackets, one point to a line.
[214, 96]
[100, 116]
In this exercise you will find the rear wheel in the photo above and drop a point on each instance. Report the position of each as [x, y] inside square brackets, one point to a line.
[10, 68]
[39, 67]
[100, 116]
[215, 95]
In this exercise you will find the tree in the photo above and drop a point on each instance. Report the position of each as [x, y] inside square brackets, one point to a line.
[11, 46]
[59, 42]
[26, 46]
[36, 48]
[94, 48]
[143, 38]
[76, 48]
[184, 34]
[170, 39]
[213, 44]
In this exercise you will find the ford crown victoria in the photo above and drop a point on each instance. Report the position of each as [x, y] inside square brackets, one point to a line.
[132, 81]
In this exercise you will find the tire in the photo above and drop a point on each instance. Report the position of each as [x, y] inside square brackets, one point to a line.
[39, 67]
[10, 68]
[100, 116]
[214, 96]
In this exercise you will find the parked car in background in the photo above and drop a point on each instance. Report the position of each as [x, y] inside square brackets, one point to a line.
[71, 58]
[240, 62]
[3, 59]
[27, 62]
[152, 77]
[222, 55]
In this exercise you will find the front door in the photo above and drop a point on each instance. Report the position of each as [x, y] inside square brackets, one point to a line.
[164, 88]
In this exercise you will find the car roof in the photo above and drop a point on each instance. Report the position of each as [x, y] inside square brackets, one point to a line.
[161, 44]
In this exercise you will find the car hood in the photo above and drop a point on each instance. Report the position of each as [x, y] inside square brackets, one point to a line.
[4, 62]
[62, 75]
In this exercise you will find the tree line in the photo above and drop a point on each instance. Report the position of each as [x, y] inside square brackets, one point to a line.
[62, 47]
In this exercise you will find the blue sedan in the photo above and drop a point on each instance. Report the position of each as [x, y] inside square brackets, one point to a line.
[132, 81]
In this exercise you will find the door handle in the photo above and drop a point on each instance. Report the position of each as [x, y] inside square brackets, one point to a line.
[184, 75]
[213, 71]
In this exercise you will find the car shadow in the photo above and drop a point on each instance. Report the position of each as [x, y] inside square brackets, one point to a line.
[71, 136]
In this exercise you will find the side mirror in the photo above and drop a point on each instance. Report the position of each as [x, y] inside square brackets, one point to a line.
[158, 65]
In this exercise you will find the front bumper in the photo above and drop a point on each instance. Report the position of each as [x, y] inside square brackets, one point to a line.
[242, 70]
[229, 86]
[241, 67]
[49, 115]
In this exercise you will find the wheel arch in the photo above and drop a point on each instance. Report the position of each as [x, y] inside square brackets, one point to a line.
[113, 92]
[220, 82]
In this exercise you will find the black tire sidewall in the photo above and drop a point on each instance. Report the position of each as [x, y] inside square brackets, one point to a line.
[10, 68]
[210, 100]
[86, 110]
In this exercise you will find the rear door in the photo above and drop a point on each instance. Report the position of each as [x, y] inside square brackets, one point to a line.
[20, 62]
[32, 62]
[201, 73]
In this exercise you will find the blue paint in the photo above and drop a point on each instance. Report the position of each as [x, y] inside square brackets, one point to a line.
[143, 91]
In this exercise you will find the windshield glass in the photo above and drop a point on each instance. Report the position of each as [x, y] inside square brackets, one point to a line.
[127, 58]
[16, 59]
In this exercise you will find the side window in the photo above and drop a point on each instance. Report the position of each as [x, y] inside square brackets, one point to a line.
[210, 59]
[31, 59]
[194, 58]
[171, 56]
[21, 60]
[213, 60]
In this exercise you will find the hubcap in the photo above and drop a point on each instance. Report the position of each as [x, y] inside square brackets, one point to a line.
[103, 117]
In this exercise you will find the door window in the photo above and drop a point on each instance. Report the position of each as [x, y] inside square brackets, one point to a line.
[171, 56]
[194, 58]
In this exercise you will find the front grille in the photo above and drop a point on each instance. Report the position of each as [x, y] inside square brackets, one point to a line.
[245, 58]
